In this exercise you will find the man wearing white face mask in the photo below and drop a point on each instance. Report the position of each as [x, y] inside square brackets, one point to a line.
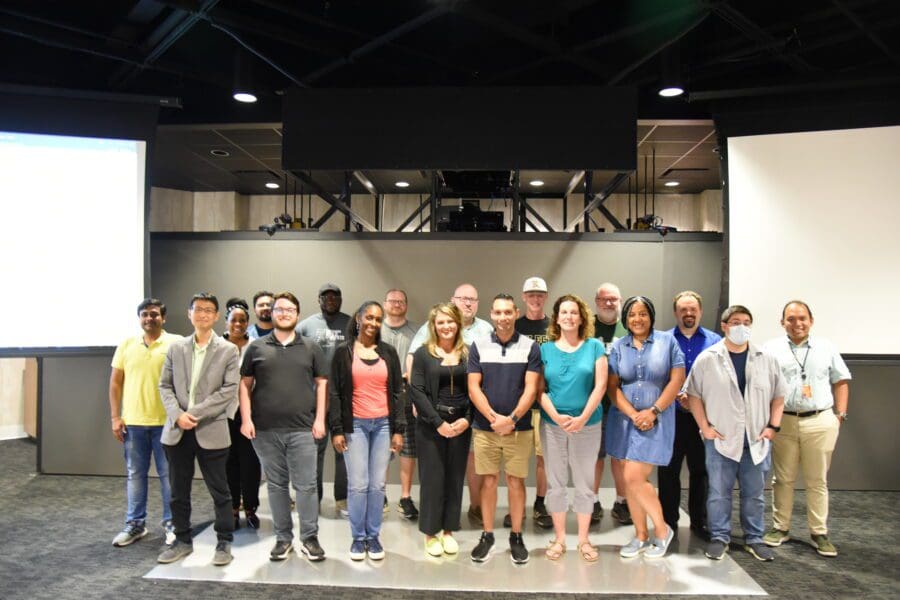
[736, 394]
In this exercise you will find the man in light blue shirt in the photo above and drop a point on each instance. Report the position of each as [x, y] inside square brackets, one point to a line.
[815, 407]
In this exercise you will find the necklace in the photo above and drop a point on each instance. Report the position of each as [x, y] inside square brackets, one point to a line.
[450, 367]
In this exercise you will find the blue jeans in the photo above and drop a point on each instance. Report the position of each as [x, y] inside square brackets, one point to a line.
[367, 456]
[140, 443]
[723, 472]
[289, 458]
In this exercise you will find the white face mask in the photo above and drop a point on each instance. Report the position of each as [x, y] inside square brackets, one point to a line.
[738, 334]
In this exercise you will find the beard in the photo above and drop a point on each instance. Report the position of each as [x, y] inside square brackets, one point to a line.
[286, 326]
[265, 317]
[608, 315]
[689, 322]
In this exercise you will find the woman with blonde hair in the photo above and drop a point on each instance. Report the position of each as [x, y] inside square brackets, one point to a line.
[571, 418]
[439, 391]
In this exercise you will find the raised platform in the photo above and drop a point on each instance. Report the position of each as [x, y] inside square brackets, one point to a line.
[685, 570]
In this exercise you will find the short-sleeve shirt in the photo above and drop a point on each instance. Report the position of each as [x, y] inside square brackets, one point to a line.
[400, 338]
[608, 333]
[823, 366]
[643, 374]
[254, 332]
[569, 377]
[283, 396]
[740, 413]
[503, 368]
[142, 365]
[327, 332]
[536, 329]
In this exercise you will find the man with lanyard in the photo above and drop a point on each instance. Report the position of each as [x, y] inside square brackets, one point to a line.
[692, 339]
[736, 395]
[465, 297]
[138, 416]
[262, 306]
[608, 327]
[328, 329]
[503, 372]
[534, 324]
[815, 407]
[398, 331]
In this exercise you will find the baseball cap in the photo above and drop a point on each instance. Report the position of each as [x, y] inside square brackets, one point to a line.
[535, 284]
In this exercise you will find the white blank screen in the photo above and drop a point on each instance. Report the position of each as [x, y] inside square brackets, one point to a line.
[71, 239]
[815, 216]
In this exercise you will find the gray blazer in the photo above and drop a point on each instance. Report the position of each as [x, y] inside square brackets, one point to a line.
[216, 394]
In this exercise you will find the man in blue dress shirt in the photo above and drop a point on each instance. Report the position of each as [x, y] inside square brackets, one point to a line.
[692, 339]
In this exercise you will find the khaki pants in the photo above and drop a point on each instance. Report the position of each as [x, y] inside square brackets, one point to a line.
[805, 443]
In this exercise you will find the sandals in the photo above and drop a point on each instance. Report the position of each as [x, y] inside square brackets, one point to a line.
[555, 550]
[588, 552]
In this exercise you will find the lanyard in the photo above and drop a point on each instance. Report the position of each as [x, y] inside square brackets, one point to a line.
[803, 364]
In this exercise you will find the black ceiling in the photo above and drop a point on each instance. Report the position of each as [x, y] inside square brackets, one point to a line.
[186, 48]
[797, 51]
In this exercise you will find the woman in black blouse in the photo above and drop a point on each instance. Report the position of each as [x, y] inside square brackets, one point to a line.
[438, 388]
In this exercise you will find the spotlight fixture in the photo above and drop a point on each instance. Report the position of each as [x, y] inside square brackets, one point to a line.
[670, 84]
[243, 78]
[402, 184]
[536, 183]
[671, 184]
[272, 185]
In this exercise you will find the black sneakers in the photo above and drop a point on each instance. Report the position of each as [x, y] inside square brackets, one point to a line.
[281, 550]
[541, 517]
[312, 549]
[597, 513]
[517, 550]
[482, 550]
[621, 513]
[408, 509]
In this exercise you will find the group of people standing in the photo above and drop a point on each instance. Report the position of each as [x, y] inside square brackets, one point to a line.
[467, 398]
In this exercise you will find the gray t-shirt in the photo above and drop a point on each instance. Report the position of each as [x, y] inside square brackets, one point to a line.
[399, 338]
[327, 333]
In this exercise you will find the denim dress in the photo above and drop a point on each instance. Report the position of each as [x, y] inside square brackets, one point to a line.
[643, 374]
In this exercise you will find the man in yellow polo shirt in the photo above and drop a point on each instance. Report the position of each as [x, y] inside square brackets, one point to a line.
[138, 416]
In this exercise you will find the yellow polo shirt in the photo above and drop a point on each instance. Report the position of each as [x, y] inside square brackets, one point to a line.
[141, 403]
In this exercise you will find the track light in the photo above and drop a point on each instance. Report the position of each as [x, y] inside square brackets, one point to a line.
[242, 90]
[671, 84]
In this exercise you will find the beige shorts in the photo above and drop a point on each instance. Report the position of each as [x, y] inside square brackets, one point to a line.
[536, 425]
[512, 452]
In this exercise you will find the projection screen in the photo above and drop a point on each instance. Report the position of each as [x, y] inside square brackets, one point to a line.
[814, 216]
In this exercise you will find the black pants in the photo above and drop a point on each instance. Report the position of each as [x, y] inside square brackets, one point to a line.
[181, 477]
[244, 471]
[442, 474]
[687, 444]
[340, 469]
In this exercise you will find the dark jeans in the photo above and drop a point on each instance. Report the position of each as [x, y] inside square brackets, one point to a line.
[340, 469]
[688, 444]
[244, 471]
[442, 474]
[181, 475]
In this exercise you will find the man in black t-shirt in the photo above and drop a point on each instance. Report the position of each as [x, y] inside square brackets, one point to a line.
[283, 404]
[534, 324]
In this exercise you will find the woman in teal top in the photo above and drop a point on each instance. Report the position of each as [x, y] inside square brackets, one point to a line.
[571, 426]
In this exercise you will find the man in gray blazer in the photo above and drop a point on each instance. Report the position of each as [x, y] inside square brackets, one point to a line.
[199, 389]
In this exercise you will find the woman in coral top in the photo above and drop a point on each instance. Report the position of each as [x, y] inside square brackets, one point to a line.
[367, 422]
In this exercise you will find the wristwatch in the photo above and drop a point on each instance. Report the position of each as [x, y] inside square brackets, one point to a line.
[656, 410]
[842, 415]
[513, 418]
[773, 428]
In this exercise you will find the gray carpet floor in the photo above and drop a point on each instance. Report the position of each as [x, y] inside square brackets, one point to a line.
[56, 531]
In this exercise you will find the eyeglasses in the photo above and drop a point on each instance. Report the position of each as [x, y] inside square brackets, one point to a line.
[395, 301]
[203, 310]
[150, 315]
[607, 300]
[466, 299]
[280, 310]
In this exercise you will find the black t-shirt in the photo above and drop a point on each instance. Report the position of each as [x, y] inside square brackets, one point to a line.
[536, 330]
[459, 395]
[739, 360]
[604, 331]
[284, 394]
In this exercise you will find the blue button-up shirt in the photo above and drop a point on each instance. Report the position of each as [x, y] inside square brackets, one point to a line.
[692, 346]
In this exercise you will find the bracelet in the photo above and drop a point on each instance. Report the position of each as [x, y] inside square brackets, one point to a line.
[773, 428]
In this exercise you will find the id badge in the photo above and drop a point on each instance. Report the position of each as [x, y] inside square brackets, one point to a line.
[807, 390]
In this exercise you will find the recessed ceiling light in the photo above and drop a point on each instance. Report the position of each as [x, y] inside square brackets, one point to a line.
[220, 153]
[245, 97]
[272, 185]
[402, 184]
[672, 184]
[536, 183]
[671, 92]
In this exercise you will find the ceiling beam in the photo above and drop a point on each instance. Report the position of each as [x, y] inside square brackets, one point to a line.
[598, 200]
[873, 37]
[312, 185]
